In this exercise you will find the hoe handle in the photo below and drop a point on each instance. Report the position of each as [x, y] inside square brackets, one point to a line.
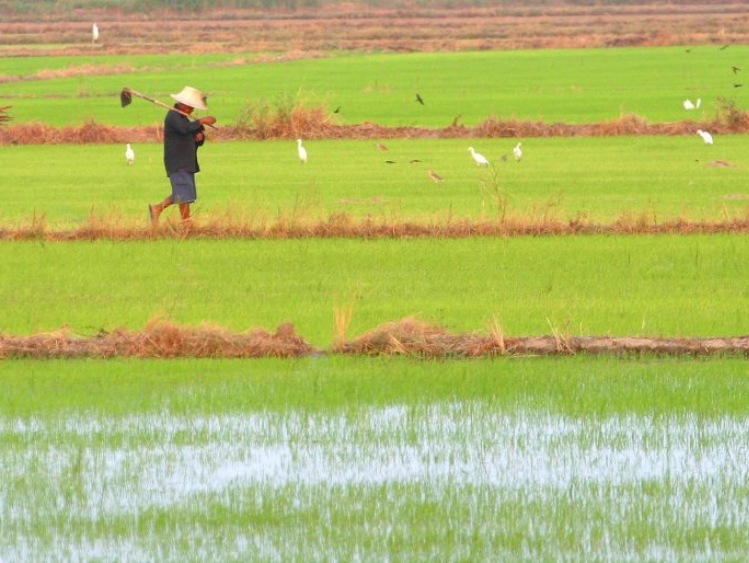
[162, 104]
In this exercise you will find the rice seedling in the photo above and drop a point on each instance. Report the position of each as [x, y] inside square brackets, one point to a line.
[567, 85]
[670, 285]
[561, 182]
[336, 458]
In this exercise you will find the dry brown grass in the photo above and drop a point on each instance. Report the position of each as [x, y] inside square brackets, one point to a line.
[159, 339]
[5, 117]
[286, 120]
[412, 337]
[407, 337]
[340, 225]
[501, 25]
[264, 122]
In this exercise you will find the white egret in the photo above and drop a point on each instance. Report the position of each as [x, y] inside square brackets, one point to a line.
[94, 33]
[129, 154]
[434, 176]
[478, 157]
[698, 103]
[518, 152]
[707, 137]
[301, 151]
[688, 104]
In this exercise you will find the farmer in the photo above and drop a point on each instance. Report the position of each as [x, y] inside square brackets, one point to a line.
[182, 137]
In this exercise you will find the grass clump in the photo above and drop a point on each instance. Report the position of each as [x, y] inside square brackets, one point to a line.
[287, 118]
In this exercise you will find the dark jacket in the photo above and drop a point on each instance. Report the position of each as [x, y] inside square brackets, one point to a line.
[180, 146]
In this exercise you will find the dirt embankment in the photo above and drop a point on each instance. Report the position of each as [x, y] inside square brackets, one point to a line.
[408, 337]
[325, 128]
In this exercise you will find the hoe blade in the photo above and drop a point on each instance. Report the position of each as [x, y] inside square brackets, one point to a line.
[125, 97]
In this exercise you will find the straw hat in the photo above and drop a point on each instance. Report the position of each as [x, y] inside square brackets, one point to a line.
[191, 97]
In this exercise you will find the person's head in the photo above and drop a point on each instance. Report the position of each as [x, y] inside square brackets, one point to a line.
[184, 108]
[190, 98]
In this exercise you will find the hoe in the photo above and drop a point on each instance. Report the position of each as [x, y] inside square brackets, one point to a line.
[126, 98]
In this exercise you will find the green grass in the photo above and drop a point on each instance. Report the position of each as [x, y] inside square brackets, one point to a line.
[552, 85]
[592, 285]
[602, 179]
[339, 458]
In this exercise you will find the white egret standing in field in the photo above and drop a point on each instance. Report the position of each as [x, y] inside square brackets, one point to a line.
[707, 137]
[688, 105]
[518, 152]
[478, 157]
[129, 154]
[301, 151]
[94, 33]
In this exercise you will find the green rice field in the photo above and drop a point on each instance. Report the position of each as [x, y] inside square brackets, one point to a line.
[261, 182]
[639, 286]
[575, 86]
[332, 457]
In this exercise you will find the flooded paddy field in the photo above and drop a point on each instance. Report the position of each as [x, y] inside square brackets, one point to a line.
[451, 475]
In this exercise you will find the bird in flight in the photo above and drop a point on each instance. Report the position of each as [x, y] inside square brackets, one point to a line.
[478, 157]
[419, 99]
[518, 152]
[301, 151]
[735, 69]
[434, 176]
[129, 154]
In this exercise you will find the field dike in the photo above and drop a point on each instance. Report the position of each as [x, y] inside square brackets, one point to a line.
[407, 337]
[342, 225]
[317, 123]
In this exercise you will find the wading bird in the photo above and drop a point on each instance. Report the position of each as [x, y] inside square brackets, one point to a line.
[478, 157]
[434, 176]
[518, 152]
[94, 33]
[129, 154]
[301, 151]
[689, 105]
[707, 137]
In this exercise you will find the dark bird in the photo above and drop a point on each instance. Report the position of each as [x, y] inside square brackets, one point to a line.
[389, 162]
[724, 47]
[735, 69]
[414, 160]
[419, 99]
[337, 110]
[737, 85]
